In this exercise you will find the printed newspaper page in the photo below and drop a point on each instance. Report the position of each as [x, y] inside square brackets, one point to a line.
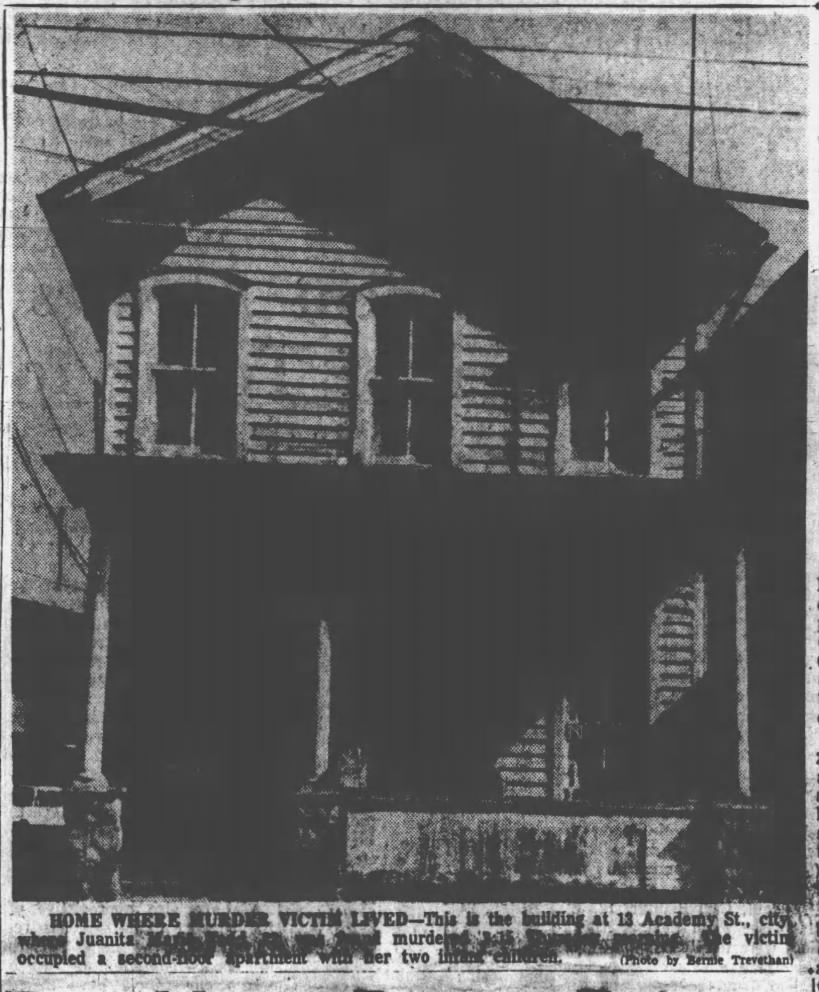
[409, 498]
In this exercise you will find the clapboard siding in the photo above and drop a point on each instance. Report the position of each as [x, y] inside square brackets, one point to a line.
[677, 645]
[297, 368]
[120, 376]
[502, 429]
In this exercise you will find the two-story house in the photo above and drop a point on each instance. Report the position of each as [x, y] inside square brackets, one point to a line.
[402, 556]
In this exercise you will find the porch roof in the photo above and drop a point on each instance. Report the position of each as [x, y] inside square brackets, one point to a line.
[681, 511]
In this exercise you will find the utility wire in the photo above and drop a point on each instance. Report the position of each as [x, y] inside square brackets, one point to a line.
[335, 40]
[218, 119]
[714, 136]
[650, 105]
[271, 25]
[221, 119]
[62, 326]
[57, 120]
[39, 381]
[51, 153]
[20, 446]
[120, 77]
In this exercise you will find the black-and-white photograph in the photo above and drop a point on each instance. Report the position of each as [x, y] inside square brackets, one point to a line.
[409, 454]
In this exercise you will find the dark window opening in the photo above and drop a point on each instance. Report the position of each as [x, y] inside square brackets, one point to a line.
[610, 421]
[411, 388]
[589, 421]
[196, 373]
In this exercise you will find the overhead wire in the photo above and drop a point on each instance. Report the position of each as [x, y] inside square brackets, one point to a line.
[271, 25]
[28, 464]
[335, 40]
[713, 118]
[61, 325]
[37, 378]
[41, 72]
[218, 118]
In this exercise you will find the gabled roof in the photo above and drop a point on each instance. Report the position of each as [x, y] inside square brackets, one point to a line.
[262, 107]
[520, 206]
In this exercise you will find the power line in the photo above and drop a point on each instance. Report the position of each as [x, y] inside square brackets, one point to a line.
[57, 120]
[708, 108]
[220, 119]
[118, 77]
[62, 326]
[271, 25]
[713, 116]
[335, 40]
[51, 153]
[28, 464]
[692, 98]
[40, 386]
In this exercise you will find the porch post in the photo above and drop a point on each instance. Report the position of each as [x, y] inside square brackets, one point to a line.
[323, 700]
[98, 674]
[744, 760]
[92, 810]
[559, 771]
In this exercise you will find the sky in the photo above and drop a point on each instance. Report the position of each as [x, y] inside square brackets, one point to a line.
[589, 55]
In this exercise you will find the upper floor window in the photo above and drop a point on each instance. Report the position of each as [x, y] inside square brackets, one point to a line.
[405, 377]
[603, 426]
[191, 357]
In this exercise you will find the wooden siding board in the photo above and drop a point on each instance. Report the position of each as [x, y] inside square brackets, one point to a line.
[297, 357]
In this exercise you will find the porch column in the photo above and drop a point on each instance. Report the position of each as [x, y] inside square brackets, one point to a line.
[91, 808]
[744, 760]
[99, 580]
[559, 771]
[323, 700]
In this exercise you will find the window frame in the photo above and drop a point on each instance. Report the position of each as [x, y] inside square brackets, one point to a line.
[567, 462]
[149, 363]
[365, 317]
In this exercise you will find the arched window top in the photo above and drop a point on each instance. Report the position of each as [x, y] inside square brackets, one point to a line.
[189, 346]
[382, 290]
[195, 277]
[405, 378]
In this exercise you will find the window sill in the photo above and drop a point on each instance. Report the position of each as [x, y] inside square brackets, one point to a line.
[404, 460]
[182, 451]
[576, 466]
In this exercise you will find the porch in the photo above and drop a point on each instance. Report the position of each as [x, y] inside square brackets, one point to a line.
[314, 675]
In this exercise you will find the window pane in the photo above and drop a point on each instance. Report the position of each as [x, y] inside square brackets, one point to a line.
[218, 318]
[391, 337]
[215, 414]
[390, 417]
[431, 340]
[175, 325]
[430, 424]
[588, 417]
[174, 403]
